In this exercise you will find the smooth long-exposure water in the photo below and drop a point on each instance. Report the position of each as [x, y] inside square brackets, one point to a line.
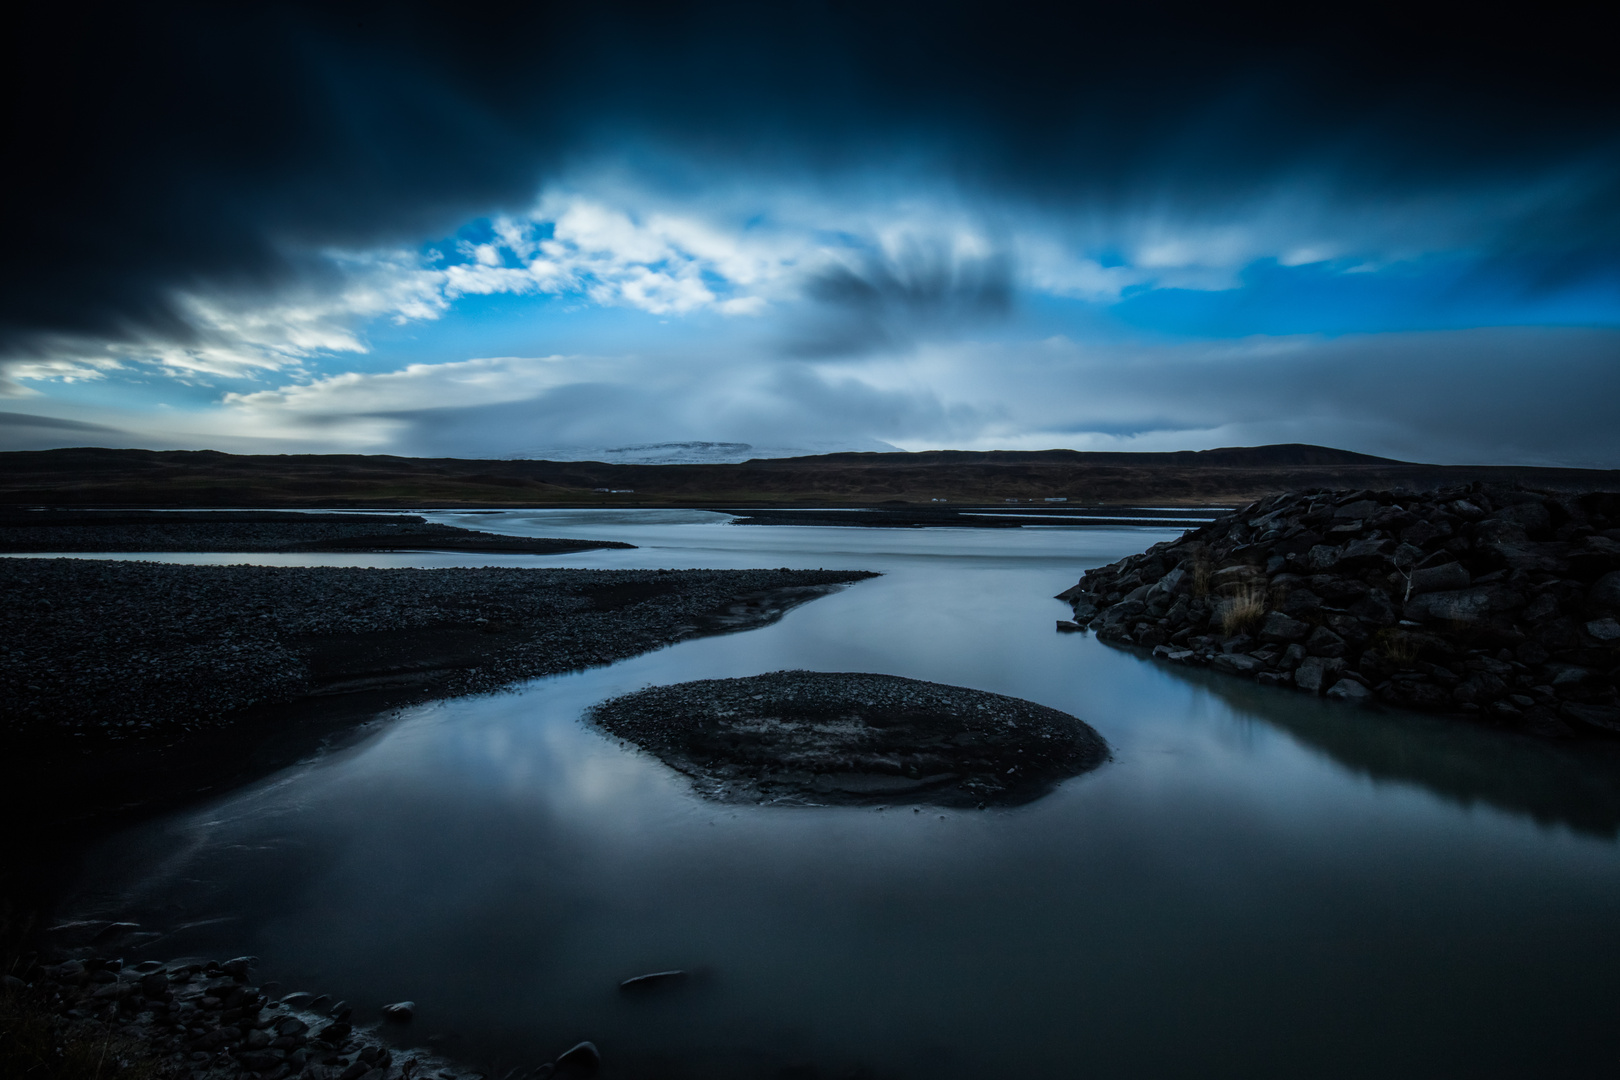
[1257, 884]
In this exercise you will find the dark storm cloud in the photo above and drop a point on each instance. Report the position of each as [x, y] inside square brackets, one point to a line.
[167, 147]
[25, 431]
[51, 423]
[890, 301]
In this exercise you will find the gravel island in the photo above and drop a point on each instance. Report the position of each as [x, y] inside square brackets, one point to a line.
[822, 738]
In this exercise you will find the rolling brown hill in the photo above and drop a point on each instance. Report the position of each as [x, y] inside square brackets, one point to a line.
[102, 477]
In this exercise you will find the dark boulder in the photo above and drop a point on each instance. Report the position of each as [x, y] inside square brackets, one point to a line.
[1605, 592]
[1349, 690]
[581, 1059]
[1446, 577]
[1461, 606]
[1317, 672]
[1324, 642]
[1281, 628]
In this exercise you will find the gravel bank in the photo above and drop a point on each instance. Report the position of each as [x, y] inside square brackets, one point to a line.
[835, 738]
[195, 1019]
[106, 652]
[1494, 603]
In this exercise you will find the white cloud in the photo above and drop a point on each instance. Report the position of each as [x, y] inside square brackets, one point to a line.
[1529, 395]
[419, 386]
[742, 253]
[655, 261]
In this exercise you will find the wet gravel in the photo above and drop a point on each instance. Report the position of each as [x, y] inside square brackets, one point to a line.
[110, 651]
[196, 1019]
[853, 738]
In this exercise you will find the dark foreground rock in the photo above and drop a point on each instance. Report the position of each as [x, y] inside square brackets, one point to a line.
[822, 738]
[1496, 603]
[193, 1019]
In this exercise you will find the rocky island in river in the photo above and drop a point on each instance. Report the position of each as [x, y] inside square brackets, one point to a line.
[852, 738]
[1491, 602]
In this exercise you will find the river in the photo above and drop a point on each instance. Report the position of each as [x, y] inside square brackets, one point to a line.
[1257, 884]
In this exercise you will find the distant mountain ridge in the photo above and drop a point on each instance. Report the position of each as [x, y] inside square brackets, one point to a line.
[696, 452]
[89, 476]
[1280, 455]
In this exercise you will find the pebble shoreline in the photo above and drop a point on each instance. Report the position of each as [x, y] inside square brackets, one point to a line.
[113, 651]
[1494, 603]
[193, 1019]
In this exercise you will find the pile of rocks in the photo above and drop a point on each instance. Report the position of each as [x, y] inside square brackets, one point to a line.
[203, 1020]
[1492, 602]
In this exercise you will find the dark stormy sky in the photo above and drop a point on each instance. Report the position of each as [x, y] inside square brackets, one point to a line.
[563, 229]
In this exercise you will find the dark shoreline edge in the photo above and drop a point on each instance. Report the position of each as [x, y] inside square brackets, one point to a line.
[972, 516]
[244, 532]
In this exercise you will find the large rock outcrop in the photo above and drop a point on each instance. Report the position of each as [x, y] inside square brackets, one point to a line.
[1501, 604]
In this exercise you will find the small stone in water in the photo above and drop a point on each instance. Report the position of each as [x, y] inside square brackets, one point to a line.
[656, 980]
[582, 1059]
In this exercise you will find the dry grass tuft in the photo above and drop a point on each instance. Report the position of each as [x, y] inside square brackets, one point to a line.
[38, 1045]
[1243, 610]
[1401, 648]
[1202, 571]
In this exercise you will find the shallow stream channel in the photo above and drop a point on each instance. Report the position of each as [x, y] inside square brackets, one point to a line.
[1256, 884]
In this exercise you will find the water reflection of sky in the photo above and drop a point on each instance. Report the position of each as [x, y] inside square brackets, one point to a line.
[1257, 884]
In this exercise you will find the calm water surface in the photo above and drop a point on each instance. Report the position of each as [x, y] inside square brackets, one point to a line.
[1257, 885]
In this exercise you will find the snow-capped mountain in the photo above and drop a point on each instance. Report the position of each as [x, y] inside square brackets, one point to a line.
[700, 453]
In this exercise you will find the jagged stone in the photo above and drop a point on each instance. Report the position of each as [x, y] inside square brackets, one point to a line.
[1282, 628]
[1349, 690]
[1446, 577]
[1317, 672]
